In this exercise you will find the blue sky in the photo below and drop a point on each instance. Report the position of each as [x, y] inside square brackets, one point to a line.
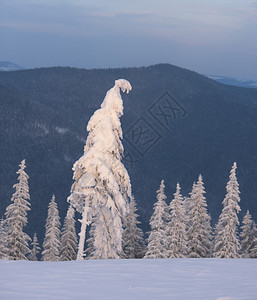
[210, 37]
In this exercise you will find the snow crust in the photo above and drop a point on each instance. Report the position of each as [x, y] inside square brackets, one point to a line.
[144, 279]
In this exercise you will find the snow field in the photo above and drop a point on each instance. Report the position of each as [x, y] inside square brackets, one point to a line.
[149, 279]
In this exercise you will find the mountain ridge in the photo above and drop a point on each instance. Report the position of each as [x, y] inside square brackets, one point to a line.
[212, 126]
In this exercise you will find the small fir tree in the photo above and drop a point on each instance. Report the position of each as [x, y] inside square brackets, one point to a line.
[133, 236]
[247, 235]
[68, 237]
[16, 217]
[51, 244]
[90, 241]
[253, 251]
[157, 240]
[3, 240]
[226, 241]
[35, 249]
[199, 228]
[176, 227]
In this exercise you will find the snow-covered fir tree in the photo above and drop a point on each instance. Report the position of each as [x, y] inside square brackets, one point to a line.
[51, 244]
[199, 228]
[35, 249]
[102, 188]
[247, 235]
[3, 240]
[133, 237]
[176, 227]
[90, 241]
[253, 252]
[16, 217]
[157, 240]
[186, 204]
[226, 241]
[69, 243]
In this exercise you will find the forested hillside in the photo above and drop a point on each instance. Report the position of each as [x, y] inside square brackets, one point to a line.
[177, 124]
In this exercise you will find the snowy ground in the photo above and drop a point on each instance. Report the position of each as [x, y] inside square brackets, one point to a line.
[130, 279]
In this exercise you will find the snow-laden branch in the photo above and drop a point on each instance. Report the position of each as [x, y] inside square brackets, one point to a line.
[124, 85]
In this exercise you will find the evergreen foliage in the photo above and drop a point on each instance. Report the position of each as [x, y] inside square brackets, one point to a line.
[51, 244]
[35, 249]
[102, 189]
[68, 250]
[226, 241]
[3, 240]
[247, 235]
[16, 217]
[199, 228]
[176, 227]
[157, 240]
[133, 237]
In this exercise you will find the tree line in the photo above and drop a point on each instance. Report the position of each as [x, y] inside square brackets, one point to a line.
[179, 229]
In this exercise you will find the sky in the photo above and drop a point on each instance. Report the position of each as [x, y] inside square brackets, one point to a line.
[211, 37]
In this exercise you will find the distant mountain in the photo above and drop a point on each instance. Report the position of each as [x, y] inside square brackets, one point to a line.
[9, 66]
[176, 125]
[235, 82]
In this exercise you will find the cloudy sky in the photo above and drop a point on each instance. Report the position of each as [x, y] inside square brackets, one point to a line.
[211, 37]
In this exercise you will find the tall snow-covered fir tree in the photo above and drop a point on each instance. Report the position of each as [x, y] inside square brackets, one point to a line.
[69, 241]
[3, 240]
[16, 217]
[51, 244]
[226, 241]
[35, 249]
[157, 240]
[133, 237]
[102, 188]
[247, 235]
[176, 227]
[199, 228]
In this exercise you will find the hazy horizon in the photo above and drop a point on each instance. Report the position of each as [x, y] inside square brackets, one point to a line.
[206, 37]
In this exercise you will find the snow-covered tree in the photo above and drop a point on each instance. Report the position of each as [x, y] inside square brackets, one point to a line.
[133, 237]
[199, 228]
[157, 240]
[16, 217]
[176, 227]
[35, 249]
[186, 205]
[69, 241]
[51, 244]
[90, 241]
[3, 240]
[253, 252]
[102, 186]
[247, 235]
[226, 241]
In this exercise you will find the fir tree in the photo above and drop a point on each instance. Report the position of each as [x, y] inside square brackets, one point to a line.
[90, 241]
[133, 236]
[199, 228]
[247, 235]
[176, 227]
[226, 241]
[51, 244]
[157, 240]
[102, 189]
[3, 240]
[16, 217]
[253, 251]
[35, 249]
[68, 237]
